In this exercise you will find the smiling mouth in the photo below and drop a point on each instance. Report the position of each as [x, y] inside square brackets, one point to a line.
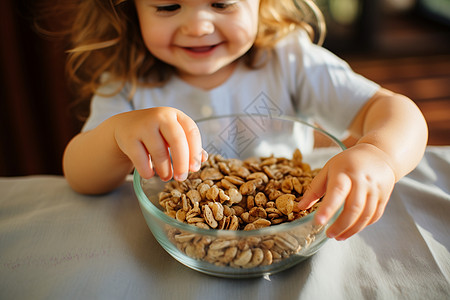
[201, 49]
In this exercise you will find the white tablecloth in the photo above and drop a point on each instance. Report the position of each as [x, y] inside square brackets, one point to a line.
[57, 244]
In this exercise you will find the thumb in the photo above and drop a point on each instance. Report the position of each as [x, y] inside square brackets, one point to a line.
[314, 191]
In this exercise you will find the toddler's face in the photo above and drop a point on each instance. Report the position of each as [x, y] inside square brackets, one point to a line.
[200, 38]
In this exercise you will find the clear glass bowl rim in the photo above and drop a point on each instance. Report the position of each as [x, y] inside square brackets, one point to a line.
[270, 230]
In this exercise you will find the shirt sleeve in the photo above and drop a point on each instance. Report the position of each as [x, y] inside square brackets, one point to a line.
[324, 87]
[104, 107]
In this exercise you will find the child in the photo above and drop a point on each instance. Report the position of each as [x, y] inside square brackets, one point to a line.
[154, 66]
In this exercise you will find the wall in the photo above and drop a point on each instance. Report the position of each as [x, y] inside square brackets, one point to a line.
[35, 117]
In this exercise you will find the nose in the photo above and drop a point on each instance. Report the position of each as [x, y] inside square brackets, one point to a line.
[198, 23]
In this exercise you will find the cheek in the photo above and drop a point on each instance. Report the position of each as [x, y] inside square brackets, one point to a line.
[245, 26]
[242, 33]
[154, 37]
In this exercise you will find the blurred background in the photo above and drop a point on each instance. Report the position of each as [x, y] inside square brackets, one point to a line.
[404, 45]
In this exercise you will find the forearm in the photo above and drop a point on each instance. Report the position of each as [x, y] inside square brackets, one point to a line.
[392, 136]
[393, 124]
[93, 163]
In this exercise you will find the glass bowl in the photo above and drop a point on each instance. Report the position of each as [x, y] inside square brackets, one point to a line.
[244, 253]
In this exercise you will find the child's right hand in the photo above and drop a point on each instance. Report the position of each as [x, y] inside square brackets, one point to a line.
[145, 137]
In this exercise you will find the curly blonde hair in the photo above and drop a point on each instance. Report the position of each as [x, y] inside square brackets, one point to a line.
[104, 37]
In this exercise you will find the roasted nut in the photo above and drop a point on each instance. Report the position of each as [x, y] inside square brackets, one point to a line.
[243, 258]
[209, 216]
[287, 185]
[285, 203]
[257, 224]
[235, 196]
[230, 194]
[212, 193]
[260, 199]
[226, 184]
[235, 180]
[181, 215]
[248, 188]
[202, 188]
[258, 175]
[211, 174]
[257, 213]
[217, 210]
[234, 223]
[220, 244]
[194, 196]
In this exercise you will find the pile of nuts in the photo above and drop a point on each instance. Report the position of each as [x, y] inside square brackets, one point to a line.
[233, 194]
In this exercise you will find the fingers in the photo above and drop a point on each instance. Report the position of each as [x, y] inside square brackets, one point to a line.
[338, 188]
[158, 155]
[196, 153]
[378, 213]
[362, 203]
[314, 191]
[182, 136]
[162, 140]
[363, 206]
[140, 159]
[363, 218]
[354, 206]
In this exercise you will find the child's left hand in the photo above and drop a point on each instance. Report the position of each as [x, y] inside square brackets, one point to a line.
[361, 179]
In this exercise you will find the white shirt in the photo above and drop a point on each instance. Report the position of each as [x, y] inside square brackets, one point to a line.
[301, 79]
